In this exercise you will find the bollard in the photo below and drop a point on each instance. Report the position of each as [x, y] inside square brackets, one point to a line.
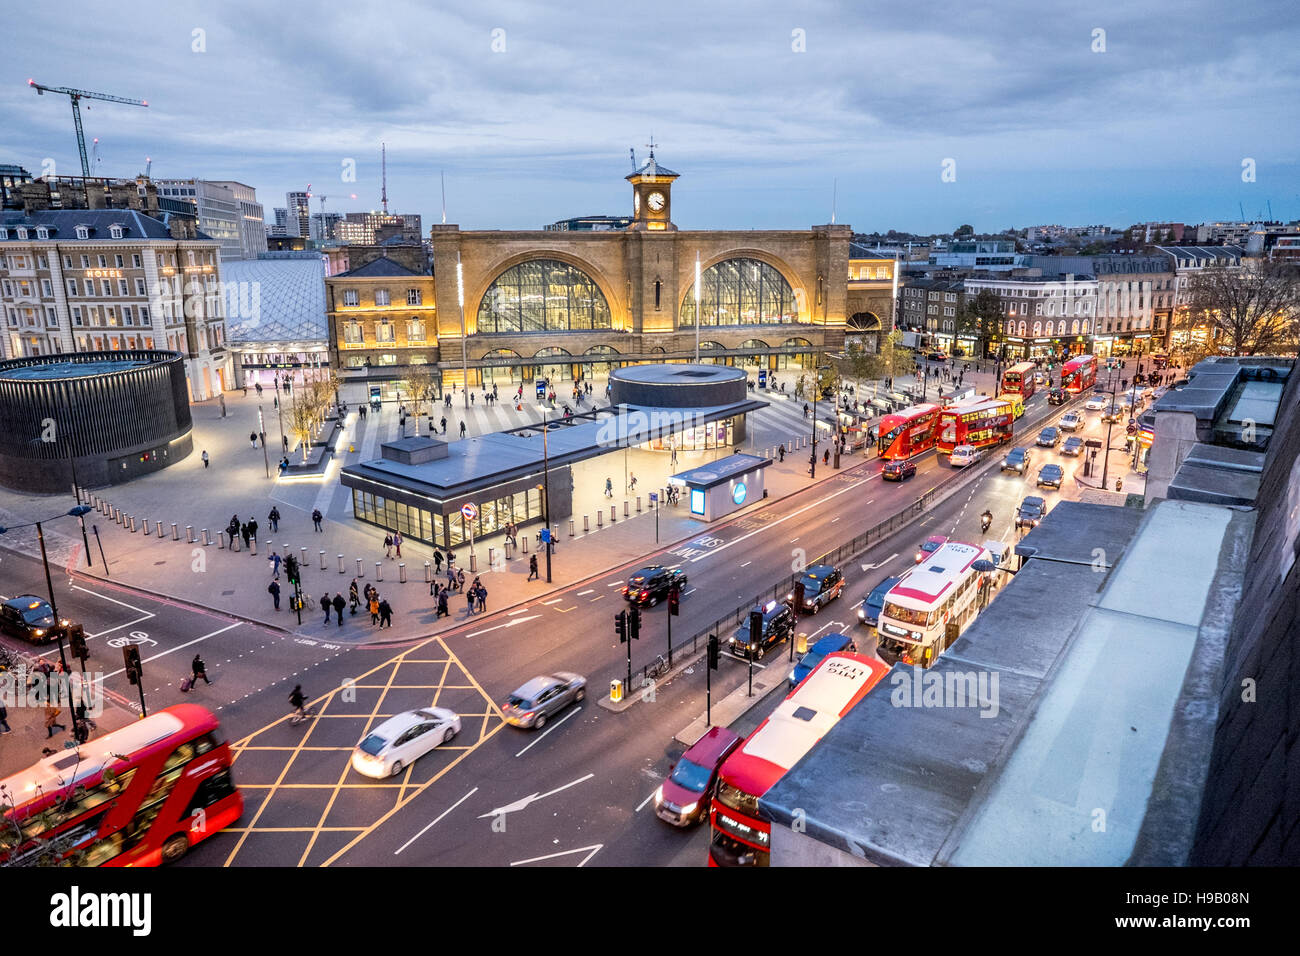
[221, 538]
[613, 513]
[571, 531]
[204, 534]
[600, 520]
[189, 534]
[428, 573]
[555, 535]
[270, 546]
[322, 560]
[341, 571]
[176, 533]
[379, 570]
[586, 523]
[401, 572]
[160, 528]
[302, 559]
[525, 544]
[638, 504]
[361, 571]
[234, 542]
[133, 524]
[626, 506]
[492, 558]
[473, 562]
[252, 546]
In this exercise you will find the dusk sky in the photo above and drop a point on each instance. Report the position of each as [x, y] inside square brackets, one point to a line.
[1039, 126]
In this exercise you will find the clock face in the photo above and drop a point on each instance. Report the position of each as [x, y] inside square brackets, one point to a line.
[655, 201]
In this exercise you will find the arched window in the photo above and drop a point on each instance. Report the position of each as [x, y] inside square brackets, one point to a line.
[1074, 327]
[1022, 328]
[740, 292]
[1038, 329]
[542, 295]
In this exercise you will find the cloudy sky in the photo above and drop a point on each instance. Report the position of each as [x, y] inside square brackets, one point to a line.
[1105, 112]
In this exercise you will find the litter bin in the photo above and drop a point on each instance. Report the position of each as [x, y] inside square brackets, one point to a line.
[615, 691]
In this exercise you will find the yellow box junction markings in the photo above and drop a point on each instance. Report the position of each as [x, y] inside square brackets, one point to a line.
[492, 721]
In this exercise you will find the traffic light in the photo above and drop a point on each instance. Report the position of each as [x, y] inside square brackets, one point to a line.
[634, 624]
[798, 596]
[620, 626]
[77, 641]
[714, 645]
[674, 601]
[755, 628]
[131, 658]
[291, 568]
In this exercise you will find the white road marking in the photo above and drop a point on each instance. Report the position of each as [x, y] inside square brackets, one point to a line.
[553, 601]
[138, 610]
[594, 848]
[545, 732]
[440, 816]
[646, 800]
[120, 626]
[180, 647]
[616, 584]
[520, 611]
[747, 564]
[523, 802]
[497, 627]
[588, 591]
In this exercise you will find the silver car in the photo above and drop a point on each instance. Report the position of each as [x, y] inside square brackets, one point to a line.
[543, 697]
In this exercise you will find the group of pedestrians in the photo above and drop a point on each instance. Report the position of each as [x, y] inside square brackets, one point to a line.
[246, 530]
[393, 542]
[475, 594]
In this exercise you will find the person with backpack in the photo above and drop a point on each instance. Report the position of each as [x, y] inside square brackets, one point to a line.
[274, 518]
[273, 589]
[316, 518]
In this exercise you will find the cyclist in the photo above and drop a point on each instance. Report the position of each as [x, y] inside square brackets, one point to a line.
[986, 519]
[298, 699]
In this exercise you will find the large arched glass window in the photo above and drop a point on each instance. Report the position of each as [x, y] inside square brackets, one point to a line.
[542, 295]
[740, 292]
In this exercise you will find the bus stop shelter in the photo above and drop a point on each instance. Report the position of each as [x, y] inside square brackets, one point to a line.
[723, 486]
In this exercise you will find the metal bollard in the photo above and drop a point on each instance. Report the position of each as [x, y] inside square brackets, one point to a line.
[613, 513]
[401, 572]
[492, 558]
[571, 529]
[133, 524]
[189, 533]
[361, 571]
[160, 528]
[428, 573]
[638, 504]
[586, 523]
[525, 546]
[204, 534]
[234, 542]
[341, 571]
[302, 560]
[627, 505]
[322, 560]
[252, 545]
[270, 546]
[600, 520]
[473, 563]
[221, 538]
[176, 532]
[379, 570]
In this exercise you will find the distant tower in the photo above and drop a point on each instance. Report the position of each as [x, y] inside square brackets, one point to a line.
[652, 194]
[383, 165]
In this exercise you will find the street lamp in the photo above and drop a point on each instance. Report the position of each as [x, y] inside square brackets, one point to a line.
[817, 389]
[59, 624]
[464, 349]
[1110, 413]
[546, 490]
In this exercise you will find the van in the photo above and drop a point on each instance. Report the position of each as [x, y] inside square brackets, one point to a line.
[1017, 403]
[964, 455]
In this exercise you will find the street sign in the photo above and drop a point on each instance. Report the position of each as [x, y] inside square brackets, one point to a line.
[654, 496]
[546, 535]
[469, 510]
[1131, 428]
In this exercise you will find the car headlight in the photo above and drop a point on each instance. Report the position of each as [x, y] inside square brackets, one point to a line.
[690, 808]
[659, 795]
[862, 615]
[39, 632]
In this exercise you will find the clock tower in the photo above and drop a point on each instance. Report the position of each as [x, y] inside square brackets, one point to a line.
[652, 196]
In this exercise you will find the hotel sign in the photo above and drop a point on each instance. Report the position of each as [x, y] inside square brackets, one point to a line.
[103, 273]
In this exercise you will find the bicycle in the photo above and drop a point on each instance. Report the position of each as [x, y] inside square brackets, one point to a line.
[658, 667]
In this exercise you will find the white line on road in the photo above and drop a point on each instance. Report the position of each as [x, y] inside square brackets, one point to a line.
[139, 610]
[520, 611]
[440, 816]
[771, 524]
[553, 601]
[616, 584]
[747, 564]
[179, 647]
[588, 591]
[594, 848]
[120, 626]
[646, 800]
[497, 627]
[523, 802]
[545, 732]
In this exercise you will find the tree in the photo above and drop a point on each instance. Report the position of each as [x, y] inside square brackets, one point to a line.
[982, 318]
[421, 384]
[966, 229]
[1251, 310]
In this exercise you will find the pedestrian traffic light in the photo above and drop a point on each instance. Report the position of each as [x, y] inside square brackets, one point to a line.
[77, 641]
[131, 658]
[674, 601]
[620, 626]
[755, 628]
[714, 645]
[634, 624]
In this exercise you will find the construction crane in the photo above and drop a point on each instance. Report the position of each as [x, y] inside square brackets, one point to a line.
[76, 96]
[322, 198]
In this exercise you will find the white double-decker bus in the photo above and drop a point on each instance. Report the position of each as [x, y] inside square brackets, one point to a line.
[928, 610]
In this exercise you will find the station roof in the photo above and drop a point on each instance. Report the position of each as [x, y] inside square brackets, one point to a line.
[722, 470]
[275, 300]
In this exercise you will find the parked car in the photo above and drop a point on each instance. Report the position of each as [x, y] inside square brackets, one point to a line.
[1097, 402]
[1070, 422]
[683, 799]
[400, 741]
[1050, 476]
[929, 546]
[1048, 438]
[898, 470]
[651, 585]
[777, 626]
[1017, 460]
[543, 697]
[1031, 511]
[1073, 446]
[1056, 396]
[28, 617]
[869, 609]
[822, 583]
[964, 455]
[829, 644]
[937, 356]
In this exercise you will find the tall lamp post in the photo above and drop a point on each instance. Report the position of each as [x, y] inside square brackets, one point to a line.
[817, 390]
[546, 491]
[76, 512]
[464, 349]
[1110, 413]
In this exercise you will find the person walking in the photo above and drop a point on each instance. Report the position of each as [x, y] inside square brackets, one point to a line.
[460, 579]
[609, 488]
[339, 604]
[245, 533]
[205, 458]
[52, 720]
[631, 481]
[385, 614]
[444, 424]
[443, 610]
[826, 456]
[532, 568]
[252, 527]
[388, 546]
[780, 452]
[374, 609]
[353, 597]
[275, 561]
[316, 518]
[437, 560]
[325, 606]
[273, 589]
[274, 518]
[252, 437]
[471, 398]
[462, 429]
[198, 669]
[397, 543]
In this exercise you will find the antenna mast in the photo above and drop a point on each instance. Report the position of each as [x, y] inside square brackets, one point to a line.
[383, 161]
[443, 176]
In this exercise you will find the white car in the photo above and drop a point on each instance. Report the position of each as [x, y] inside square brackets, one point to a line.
[400, 741]
[1071, 421]
[964, 455]
[1097, 403]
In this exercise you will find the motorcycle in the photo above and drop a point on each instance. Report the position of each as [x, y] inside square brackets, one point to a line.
[986, 520]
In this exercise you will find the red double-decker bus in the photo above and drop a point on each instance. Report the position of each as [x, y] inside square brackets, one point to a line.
[1019, 379]
[140, 796]
[1079, 374]
[980, 425]
[907, 432]
[740, 837]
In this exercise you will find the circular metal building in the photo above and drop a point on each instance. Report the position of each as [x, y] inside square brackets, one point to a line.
[93, 418]
[687, 393]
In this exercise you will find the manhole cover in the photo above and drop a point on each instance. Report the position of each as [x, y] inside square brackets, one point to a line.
[227, 593]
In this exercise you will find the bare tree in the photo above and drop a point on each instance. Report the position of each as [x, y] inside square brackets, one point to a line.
[1251, 310]
[420, 382]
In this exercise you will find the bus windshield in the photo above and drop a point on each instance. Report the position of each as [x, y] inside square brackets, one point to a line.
[907, 615]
